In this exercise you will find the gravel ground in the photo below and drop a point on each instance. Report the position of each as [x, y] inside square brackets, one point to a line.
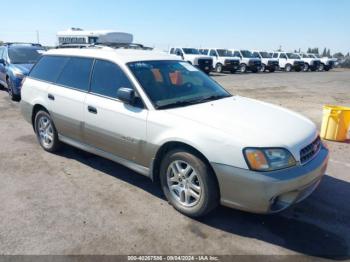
[77, 203]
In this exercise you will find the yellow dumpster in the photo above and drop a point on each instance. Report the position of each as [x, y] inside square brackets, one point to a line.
[335, 123]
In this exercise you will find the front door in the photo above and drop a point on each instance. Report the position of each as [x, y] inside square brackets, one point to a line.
[111, 125]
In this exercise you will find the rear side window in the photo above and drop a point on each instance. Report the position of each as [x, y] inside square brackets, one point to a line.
[76, 73]
[275, 55]
[107, 78]
[48, 68]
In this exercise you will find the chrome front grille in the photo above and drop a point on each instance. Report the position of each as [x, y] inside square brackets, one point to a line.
[308, 152]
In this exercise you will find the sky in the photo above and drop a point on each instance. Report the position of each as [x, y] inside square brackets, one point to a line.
[254, 24]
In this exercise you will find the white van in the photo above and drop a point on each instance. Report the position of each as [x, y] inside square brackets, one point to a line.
[223, 59]
[311, 63]
[267, 62]
[194, 57]
[289, 61]
[247, 61]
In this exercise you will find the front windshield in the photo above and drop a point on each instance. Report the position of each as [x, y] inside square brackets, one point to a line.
[247, 54]
[224, 52]
[171, 84]
[293, 56]
[22, 55]
[191, 51]
[265, 55]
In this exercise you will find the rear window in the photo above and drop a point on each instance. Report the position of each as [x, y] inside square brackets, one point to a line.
[76, 73]
[48, 68]
[23, 55]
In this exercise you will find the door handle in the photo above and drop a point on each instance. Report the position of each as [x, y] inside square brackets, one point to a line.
[92, 109]
[51, 97]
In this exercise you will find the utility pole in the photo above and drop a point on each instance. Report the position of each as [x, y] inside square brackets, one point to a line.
[37, 37]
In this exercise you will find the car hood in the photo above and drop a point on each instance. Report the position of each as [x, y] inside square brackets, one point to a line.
[252, 123]
[24, 68]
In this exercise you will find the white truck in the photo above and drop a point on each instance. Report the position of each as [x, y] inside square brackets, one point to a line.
[311, 63]
[289, 61]
[247, 61]
[223, 59]
[192, 56]
[326, 62]
[267, 62]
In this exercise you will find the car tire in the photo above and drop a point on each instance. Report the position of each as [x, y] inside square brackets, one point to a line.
[218, 68]
[243, 68]
[262, 68]
[255, 70]
[46, 132]
[321, 68]
[271, 70]
[188, 183]
[326, 68]
[288, 68]
[306, 67]
[12, 96]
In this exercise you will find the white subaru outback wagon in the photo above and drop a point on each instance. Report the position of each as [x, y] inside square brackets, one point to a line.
[165, 119]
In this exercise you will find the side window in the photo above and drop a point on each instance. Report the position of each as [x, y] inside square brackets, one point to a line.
[76, 73]
[172, 51]
[256, 54]
[236, 53]
[283, 56]
[107, 78]
[212, 52]
[178, 51]
[275, 55]
[49, 68]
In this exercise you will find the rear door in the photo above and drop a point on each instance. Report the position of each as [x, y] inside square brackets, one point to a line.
[66, 96]
[111, 125]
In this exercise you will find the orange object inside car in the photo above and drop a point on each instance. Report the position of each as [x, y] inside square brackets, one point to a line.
[157, 75]
[176, 78]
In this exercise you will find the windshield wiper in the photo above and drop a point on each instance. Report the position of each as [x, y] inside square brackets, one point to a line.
[210, 98]
[191, 102]
[177, 104]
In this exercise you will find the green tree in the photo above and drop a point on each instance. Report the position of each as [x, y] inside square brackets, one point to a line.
[339, 55]
[329, 53]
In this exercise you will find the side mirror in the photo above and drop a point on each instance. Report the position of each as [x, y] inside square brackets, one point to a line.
[127, 95]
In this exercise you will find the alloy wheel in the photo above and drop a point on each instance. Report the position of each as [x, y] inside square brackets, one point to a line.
[45, 131]
[184, 183]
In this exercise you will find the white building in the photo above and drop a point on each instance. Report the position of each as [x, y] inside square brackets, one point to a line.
[80, 36]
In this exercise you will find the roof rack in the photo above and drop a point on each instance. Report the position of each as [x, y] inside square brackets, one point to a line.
[110, 45]
[20, 43]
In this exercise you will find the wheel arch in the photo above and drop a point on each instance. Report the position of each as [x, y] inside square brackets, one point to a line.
[37, 108]
[170, 145]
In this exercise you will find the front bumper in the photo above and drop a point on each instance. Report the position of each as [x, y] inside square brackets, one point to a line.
[298, 66]
[232, 65]
[205, 65]
[269, 192]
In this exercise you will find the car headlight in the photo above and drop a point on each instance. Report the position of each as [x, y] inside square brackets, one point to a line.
[268, 159]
